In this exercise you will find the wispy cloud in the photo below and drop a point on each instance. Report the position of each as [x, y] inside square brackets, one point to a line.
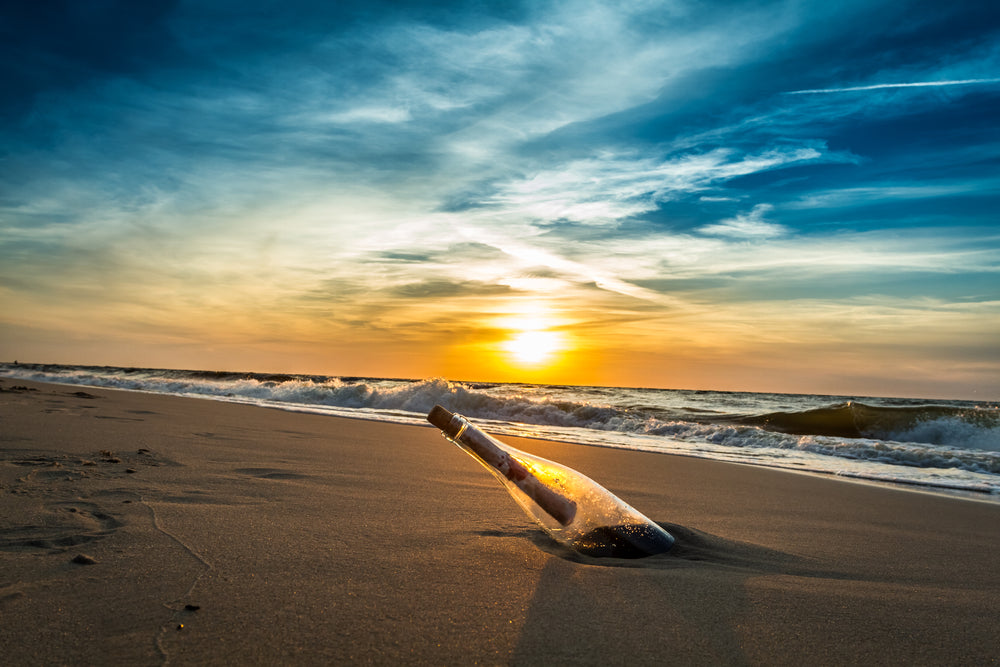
[751, 225]
[612, 187]
[882, 193]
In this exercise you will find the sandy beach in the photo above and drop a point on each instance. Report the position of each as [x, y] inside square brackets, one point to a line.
[142, 529]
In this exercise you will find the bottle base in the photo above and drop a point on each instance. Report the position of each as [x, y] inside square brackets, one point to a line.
[624, 541]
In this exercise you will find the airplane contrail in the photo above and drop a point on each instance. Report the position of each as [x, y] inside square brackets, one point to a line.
[882, 86]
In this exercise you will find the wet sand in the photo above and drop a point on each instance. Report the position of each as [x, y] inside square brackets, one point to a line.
[141, 529]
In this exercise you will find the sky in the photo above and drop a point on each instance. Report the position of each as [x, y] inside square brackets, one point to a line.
[788, 196]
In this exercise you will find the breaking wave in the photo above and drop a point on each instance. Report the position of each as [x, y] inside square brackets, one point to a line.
[956, 435]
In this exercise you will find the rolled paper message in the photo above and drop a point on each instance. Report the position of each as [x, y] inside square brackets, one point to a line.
[488, 451]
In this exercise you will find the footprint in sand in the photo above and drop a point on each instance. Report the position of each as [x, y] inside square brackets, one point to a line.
[59, 526]
[44, 507]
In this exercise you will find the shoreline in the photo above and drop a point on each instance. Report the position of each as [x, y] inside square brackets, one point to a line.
[854, 396]
[218, 533]
[942, 489]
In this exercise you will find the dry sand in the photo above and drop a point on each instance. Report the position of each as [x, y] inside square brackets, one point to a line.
[140, 529]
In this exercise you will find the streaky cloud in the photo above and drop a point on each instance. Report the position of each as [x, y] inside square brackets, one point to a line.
[447, 288]
[885, 86]
[607, 188]
[881, 193]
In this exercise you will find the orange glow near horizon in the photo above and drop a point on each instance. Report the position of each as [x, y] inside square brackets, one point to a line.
[531, 348]
[532, 341]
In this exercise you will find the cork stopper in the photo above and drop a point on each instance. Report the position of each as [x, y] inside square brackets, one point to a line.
[441, 418]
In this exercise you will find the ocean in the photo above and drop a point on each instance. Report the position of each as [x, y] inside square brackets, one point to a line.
[941, 446]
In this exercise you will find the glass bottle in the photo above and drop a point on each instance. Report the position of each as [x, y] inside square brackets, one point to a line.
[572, 508]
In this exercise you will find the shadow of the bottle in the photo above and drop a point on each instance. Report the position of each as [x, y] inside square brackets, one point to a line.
[691, 547]
[588, 610]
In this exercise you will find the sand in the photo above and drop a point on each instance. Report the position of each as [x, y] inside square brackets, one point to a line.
[141, 529]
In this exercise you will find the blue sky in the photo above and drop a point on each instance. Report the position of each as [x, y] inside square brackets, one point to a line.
[779, 196]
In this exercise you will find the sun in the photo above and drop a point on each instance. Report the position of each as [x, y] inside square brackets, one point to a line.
[533, 347]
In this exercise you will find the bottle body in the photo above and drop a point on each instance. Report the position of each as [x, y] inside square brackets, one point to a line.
[572, 508]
